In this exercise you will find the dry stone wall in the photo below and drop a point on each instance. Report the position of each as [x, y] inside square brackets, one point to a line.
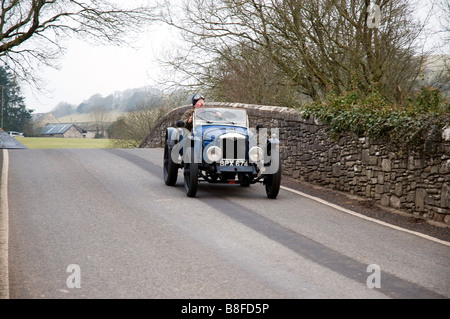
[412, 181]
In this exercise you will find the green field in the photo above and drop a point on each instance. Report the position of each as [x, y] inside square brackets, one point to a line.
[54, 142]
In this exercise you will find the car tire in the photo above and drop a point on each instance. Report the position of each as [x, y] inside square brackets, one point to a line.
[273, 182]
[170, 168]
[191, 179]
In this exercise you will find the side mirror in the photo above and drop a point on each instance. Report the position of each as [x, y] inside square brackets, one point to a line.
[180, 123]
[259, 126]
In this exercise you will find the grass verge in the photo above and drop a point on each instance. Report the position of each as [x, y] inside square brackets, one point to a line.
[54, 142]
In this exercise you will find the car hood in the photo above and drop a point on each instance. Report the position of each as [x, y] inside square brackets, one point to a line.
[210, 133]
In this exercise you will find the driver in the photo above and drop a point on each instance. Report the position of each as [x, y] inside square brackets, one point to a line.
[197, 102]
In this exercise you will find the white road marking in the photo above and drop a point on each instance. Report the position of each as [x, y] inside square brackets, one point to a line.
[348, 211]
[4, 228]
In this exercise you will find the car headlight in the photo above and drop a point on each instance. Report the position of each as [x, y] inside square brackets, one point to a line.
[214, 154]
[256, 154]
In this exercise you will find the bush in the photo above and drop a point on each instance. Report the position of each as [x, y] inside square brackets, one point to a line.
[420, 120]
[130, 129]
[431, 99]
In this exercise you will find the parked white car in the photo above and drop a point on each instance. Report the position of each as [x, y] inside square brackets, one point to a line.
[12, 133]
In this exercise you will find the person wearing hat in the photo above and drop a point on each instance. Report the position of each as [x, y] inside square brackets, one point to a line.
[197, 101]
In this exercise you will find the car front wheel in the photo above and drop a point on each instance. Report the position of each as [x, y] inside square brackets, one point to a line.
[273, 182]
[191, 179]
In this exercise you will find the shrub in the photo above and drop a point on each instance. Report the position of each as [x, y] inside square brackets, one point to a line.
[421, 120]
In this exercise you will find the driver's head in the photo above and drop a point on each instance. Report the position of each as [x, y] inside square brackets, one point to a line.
[198, 101]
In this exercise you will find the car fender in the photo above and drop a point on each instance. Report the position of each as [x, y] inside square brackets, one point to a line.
[272, 156]
[174, 140]
[173, 136]
[272, 143]
[192, 142]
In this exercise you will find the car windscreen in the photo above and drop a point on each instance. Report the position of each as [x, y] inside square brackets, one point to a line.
[220, 116]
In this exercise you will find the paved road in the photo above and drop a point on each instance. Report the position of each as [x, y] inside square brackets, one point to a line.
[104, 221]
[9, 142]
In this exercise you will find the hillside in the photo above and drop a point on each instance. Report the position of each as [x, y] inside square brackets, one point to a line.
[88, 117]
[118, 101]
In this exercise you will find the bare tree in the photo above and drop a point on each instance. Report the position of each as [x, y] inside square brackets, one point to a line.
[31, 32]
[101, 116]
[131, 128]
[442, 12]
[319, 46]
[243, 74]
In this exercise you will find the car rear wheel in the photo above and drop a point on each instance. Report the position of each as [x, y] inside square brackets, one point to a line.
[191, 179]
[170, 167]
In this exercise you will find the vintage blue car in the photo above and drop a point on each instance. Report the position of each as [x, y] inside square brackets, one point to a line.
[222, 149]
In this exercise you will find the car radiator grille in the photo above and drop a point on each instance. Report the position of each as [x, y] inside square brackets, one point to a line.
[233, 148]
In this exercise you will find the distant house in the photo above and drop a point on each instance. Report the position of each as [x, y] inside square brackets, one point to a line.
[63, 130]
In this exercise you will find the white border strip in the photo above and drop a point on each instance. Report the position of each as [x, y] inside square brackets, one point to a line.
[4, 228]
[348, 211]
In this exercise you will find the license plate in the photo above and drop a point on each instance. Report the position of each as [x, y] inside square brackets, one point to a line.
[233, 162]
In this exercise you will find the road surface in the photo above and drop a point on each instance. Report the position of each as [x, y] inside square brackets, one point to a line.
[91, 223]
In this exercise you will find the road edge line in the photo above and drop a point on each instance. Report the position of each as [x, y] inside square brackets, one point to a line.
[4, 228]
[348, 211]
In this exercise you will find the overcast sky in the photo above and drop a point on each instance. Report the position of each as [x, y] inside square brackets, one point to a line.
[87, 70]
